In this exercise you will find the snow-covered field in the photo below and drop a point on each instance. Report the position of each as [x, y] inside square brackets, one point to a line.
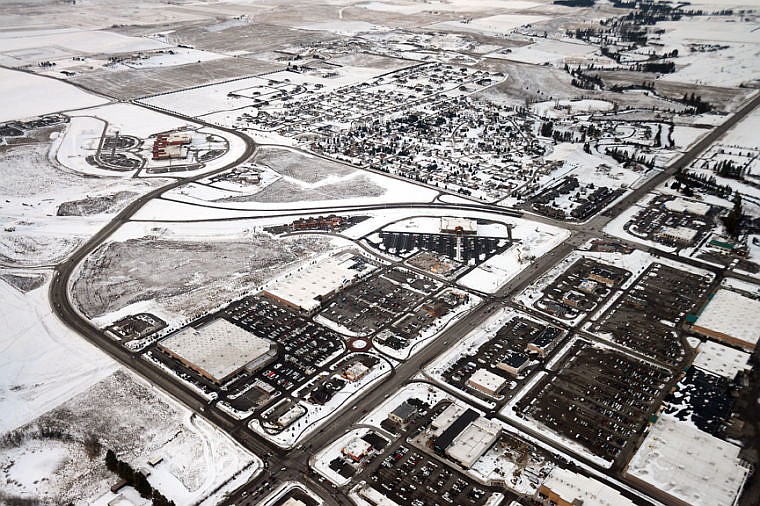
[43, 362]
[499, 24]
[47, 459]
[24, 95]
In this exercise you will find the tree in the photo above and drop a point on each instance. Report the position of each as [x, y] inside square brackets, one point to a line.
[734, 218]
[92, 446]
[111, 462]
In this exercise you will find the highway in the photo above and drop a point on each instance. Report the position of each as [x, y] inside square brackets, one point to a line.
[295, 462]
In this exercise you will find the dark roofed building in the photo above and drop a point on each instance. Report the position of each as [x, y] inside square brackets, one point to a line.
[447, 436]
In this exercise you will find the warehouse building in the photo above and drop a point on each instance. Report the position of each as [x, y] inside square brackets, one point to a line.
[681, 465]
[314, 283]
[219, 350]
[566, 488]
[486, 382]
[732, 318]
[681, 205]
[473, 441]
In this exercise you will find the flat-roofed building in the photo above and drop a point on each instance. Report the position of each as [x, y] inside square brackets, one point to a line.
[487, 382]
[566, 488]
[681, 465]
[681, 205]
[679, 235]
[473, 441]
[314, 283]
[451, 225]
[513, 363]
[732, 318]
[448, 416]
[219, 349]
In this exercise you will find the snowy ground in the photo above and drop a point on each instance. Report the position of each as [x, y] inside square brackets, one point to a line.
[535, 240]
[209, 267]
[24, 95]
[46, 459]
[43, 362]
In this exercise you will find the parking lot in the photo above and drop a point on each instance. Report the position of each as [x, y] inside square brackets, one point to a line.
[582, 288]
[475, 248]
[368, 306]
[303, 347]
[647, 318]
[509, 345]
[601, 398]
[407, 476]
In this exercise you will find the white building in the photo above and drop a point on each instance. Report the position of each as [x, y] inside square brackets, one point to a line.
[681, 205]
[731, 317]
[450, 225]
[474, 441]
[679, 235]
[306, 289]
[566, 488]
[487, 382]
[721, 360]
[685, 466]
[219, 349]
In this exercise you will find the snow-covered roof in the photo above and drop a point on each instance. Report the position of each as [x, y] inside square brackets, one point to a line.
[357, 448]
[688, 464]
[446, 418]
[449, 223]
[485, 379]
[473, 441]
[733, 315]
[721, 360]
[684, 234]
[572, 486]
[306, 288]
[681, 205]
[218, 348]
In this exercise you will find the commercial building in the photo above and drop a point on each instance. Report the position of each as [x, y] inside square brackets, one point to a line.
[451, 431]
[679, 235]
[545, 341]
[314, 283]
[566, 488]
[447, 417]
[473, 441]
[605, 276]
[357, 449]
[356, 371]
[514, 363]
[403, 413]
[681, 465]
[171, 145]
[219, 349]
[487, 382]
[450, 225]
[681, 205]
[732, 318]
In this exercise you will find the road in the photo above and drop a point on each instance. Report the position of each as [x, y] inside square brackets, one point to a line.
[295, 462]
